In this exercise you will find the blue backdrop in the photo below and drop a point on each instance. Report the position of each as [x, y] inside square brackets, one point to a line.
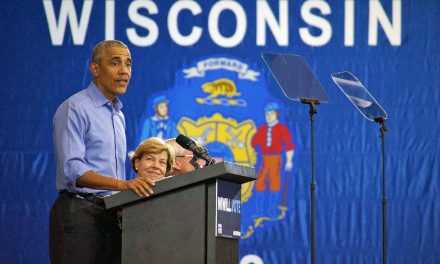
[204, 58]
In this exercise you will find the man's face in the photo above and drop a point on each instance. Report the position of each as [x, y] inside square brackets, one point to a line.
[112, 72]
[183, 163]
[271, 116]
[162, 109]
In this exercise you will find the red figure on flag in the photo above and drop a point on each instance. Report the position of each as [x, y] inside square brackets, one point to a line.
[273, 138]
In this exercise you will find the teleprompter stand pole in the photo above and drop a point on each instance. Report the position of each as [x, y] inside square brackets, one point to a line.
[383, 129]
[313, 105]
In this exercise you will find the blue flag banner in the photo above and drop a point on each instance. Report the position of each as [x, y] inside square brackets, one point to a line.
[198, 71]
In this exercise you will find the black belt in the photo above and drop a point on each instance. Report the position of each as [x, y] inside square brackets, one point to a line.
[86, 196]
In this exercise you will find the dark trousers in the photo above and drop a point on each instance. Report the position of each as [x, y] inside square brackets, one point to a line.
[83, 232]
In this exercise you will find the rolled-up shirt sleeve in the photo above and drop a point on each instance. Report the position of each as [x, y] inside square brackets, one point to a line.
[69, 141]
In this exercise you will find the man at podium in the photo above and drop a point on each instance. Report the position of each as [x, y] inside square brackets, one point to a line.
[90, 151]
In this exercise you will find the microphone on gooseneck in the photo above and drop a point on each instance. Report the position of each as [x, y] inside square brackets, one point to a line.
[199, 152]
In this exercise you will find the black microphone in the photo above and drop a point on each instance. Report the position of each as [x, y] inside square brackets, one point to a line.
[199, 152]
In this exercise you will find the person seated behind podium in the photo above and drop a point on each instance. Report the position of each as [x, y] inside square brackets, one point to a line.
[182, 158]
[153, 159]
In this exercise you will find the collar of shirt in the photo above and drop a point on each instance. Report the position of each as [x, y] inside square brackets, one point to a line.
[99, 99]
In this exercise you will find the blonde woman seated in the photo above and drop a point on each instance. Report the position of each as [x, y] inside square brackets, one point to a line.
[153, 159]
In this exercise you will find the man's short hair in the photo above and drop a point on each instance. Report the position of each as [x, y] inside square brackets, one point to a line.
[178, 150]
[99, 49]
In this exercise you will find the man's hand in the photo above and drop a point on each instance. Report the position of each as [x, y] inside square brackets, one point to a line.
[141, 186]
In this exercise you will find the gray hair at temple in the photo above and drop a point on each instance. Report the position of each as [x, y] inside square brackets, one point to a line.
[101, 46]
[178, 150]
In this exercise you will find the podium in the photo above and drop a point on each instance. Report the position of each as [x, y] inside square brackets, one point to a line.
[190, 218]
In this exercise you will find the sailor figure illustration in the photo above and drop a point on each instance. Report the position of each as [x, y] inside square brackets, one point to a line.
[160, 124]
